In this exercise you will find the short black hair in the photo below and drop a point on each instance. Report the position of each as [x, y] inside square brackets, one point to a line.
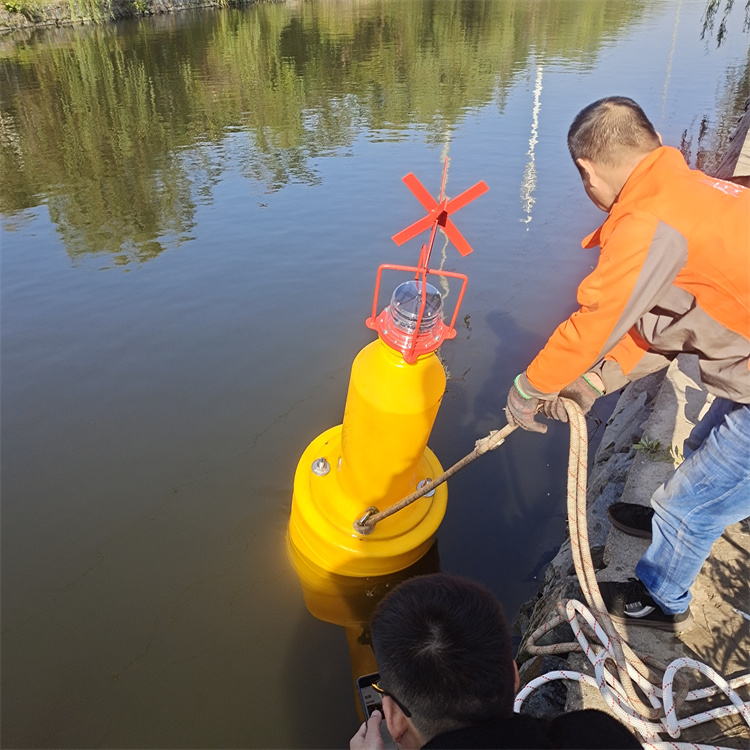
[443, 649]
[608, 128]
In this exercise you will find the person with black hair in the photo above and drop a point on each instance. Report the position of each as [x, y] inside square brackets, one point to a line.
[448, 677]
[673, 277]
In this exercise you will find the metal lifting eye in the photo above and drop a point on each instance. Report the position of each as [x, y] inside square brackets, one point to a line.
[361, 526]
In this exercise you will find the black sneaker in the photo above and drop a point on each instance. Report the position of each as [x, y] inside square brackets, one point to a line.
[631, 518]
[629, 601]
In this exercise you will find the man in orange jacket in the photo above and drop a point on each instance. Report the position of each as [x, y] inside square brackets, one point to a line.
[673, 276]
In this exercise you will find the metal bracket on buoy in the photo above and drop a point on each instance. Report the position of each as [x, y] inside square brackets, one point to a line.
[320, 467]
[438, 212]
[361, 526]
[424, 483]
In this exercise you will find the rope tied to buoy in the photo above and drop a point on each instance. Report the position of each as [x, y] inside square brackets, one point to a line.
[372, 516]
[618, 669]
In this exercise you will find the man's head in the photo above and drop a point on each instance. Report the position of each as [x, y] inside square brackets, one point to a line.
[444, 653]
[607, 140]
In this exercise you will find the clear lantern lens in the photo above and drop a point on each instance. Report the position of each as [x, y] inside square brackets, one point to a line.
[405, 305]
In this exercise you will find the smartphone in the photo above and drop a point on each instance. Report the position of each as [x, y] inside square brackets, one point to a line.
[370, 698]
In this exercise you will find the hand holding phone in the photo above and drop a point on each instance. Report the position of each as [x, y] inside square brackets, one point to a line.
[370, 735]
[370, 698]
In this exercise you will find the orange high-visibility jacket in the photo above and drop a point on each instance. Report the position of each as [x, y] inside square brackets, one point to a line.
[673, 276]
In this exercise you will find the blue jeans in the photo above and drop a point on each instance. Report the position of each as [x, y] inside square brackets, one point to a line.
[709, 491]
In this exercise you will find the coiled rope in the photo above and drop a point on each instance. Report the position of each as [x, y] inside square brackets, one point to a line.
[617, 668]
[616, 665]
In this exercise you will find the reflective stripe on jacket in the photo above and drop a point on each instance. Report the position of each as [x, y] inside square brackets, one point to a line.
[673, 276]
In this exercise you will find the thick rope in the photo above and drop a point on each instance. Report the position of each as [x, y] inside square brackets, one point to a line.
[584, 566]
[616, 666]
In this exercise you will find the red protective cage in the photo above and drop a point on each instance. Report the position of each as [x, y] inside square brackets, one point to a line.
[437, 216]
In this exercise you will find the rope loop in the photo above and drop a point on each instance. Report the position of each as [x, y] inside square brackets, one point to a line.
[617, 668]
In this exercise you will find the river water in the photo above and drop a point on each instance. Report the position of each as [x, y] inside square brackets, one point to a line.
[193, 211]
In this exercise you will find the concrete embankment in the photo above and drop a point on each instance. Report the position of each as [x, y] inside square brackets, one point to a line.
[629, 465]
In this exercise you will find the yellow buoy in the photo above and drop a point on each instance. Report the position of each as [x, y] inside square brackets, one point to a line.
[379, 454]
[376, 457]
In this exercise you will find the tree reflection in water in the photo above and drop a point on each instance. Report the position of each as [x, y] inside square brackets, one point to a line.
[122, 130]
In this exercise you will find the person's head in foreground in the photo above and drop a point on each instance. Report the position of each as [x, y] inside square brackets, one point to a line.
[448, 676]
[607, 140]
[444, 652]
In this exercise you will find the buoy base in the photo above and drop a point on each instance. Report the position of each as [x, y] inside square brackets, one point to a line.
[321, 526]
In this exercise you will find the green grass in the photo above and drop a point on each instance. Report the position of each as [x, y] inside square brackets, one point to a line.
[654, 451]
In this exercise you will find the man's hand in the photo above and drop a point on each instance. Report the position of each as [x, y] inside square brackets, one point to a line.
[368, 737]
[520, 410]
[581, 391]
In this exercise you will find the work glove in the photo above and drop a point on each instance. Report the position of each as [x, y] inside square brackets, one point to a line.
[520, 410]
[580, 390]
